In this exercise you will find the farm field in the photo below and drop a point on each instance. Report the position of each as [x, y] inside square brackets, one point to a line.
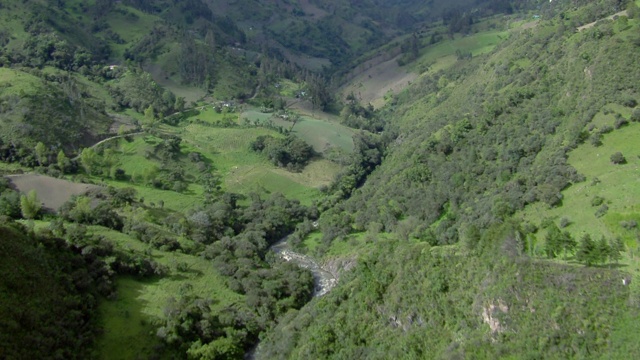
[375, 84]
[443, 54]
[319, 133]
[52, 192]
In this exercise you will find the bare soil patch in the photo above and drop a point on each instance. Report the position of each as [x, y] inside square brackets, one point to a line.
[52, 192]
[314, 12]
[371, 85]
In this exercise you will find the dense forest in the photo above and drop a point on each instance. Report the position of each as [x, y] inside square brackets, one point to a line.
[152, 154]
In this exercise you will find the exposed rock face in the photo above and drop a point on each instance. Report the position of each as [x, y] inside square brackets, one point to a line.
[490, 313]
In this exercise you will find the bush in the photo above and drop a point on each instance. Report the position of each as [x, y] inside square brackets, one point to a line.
[618, 158]
[620, 122]
[602, 210]
[597, 201]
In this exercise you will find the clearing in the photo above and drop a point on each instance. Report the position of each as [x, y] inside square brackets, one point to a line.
[319, 133]
[618, 186]
[371, 86]
[52, 192]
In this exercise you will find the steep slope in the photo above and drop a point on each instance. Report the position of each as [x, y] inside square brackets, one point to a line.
[485, 138]
[412, 301]
[47, 298]
[467, 148]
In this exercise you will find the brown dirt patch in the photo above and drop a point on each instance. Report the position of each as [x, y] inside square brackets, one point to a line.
[52, 192]
[312, 11]
[371, 85]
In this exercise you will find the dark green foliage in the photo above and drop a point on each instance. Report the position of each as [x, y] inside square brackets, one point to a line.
[10, 203]
[359, 117]
[484, 148]
[618, 158]
[597, 201]
[591, 252]
[135, 89]
[413, 301]
[602, 210]
[60, 114]
[48, 296]
[557, 242]
[290, 152]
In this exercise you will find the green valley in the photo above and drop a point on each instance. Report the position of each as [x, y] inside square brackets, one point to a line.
[319, 179]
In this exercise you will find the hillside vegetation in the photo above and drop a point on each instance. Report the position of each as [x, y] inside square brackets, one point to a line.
[484, 206]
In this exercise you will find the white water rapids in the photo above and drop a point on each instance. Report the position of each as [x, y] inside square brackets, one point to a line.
[324, 280]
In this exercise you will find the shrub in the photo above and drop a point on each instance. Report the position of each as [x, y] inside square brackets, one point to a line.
[618, 158]
[620, 122]
[597, 201]
[602, 210]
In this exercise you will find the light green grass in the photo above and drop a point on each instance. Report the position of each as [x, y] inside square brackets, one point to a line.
[263, 179]
[14, 82]
[227, 149]
[288, 88]
[443, 53]
[619, 185]
[128, 331]
[172, 200]
[320, 134]
[128, 28]
[128, 320]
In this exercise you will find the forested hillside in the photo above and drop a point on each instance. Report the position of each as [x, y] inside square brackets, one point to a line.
[471, 146]
[479, 141]
[157, 156]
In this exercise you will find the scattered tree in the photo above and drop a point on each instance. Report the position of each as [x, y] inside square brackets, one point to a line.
[63, 162]
[30, 205]
[618, 158]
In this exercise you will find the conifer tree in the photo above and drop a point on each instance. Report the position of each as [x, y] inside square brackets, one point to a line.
[603, 250]
[586, 250]
[617, 247]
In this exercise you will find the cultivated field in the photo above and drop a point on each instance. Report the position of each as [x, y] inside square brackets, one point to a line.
[319, 133]
[371, 86]
[52, 192]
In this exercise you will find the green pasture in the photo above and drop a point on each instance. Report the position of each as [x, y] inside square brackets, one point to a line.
[130, 24]
[128, 332]
[129, 319]
[14, 82]
[320, 134]
[619, 185]
[263, 179]
[288, 88]
[443, 54]
[172, 200]
[165, 72]
[227, 150]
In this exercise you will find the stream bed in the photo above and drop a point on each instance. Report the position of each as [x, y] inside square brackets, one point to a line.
[324, 280]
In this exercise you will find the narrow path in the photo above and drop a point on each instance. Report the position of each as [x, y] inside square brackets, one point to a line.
[590, 25]
[109, 139]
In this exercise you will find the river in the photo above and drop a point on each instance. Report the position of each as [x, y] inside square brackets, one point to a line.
[324, 280]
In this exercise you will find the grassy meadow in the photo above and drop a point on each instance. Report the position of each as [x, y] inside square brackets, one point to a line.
[617, 184]
[320, 134]
[443, 54]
